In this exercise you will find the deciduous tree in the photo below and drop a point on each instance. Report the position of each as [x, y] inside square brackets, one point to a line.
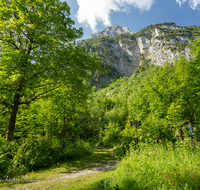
[38, 53]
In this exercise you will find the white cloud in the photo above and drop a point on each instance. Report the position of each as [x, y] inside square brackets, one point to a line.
[143, 5]
[193, 3]
[180, 2]
[92, 11]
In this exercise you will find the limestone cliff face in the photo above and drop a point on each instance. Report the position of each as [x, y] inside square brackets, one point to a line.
[125, 55]
[121, 50]
[159, 49]
[157, 52]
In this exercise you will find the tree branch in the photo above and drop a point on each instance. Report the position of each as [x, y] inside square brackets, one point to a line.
[33, 76]
[39, 95]
[12, 41]
[5, 103]
[44, 85]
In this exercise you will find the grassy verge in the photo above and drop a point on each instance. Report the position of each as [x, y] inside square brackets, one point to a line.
[153, 167]
[54, 177]
[84, 182]
[160, 167]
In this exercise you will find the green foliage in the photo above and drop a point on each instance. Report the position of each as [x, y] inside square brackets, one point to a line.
[7, 152]
[171, 34]
[38, 55]
[37, 152]
[127, 140]
[107, 106]
[177, 46]
[58, 115]
[111, 134]
[160, 167]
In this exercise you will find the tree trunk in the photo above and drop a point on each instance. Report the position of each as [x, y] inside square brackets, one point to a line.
[64, 130]
[159, 138]
[181, 134]
[12, 120]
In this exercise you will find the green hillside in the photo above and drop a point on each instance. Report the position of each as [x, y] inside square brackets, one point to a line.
[163, 98]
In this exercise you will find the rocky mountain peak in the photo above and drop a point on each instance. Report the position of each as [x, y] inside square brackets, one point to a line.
[154, 44]
[112, 31]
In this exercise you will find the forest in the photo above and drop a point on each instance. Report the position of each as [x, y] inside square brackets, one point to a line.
[50, 113]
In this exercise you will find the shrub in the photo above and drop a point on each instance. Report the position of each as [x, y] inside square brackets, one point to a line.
[7, 152]
[111, 134]
[76, 150]
[127, 140]
[36, 152]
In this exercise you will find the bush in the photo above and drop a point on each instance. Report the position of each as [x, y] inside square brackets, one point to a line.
[7, 152]
[36, 152]
[111, 134]
[127, 140]
[76, 150]
[105, 185]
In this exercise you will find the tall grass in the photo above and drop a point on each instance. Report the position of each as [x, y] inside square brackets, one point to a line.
[160, 167]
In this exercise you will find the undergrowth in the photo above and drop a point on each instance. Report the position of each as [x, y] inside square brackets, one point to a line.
[158, 166]
[37, 152]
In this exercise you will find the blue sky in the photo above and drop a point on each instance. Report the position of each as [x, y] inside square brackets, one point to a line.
[95, 15]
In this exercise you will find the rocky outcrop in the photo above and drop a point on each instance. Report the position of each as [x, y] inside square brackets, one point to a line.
[112, 31]
[159, 49]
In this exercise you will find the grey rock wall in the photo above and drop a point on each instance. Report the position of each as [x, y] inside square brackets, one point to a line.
[152, 45]
[127, 56]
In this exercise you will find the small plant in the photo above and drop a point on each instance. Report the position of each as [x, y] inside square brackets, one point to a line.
[105, 185]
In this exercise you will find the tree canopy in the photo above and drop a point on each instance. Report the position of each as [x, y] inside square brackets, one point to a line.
[38, 54]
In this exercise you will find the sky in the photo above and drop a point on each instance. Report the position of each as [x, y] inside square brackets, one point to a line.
[95, 15]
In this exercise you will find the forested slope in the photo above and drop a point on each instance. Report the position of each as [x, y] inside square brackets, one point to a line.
[164, 98]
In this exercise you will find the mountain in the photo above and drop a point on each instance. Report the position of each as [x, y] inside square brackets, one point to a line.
[112, 31]
[122, 50]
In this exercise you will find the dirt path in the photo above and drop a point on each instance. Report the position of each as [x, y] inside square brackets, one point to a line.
[73, 174]
[101, 160]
